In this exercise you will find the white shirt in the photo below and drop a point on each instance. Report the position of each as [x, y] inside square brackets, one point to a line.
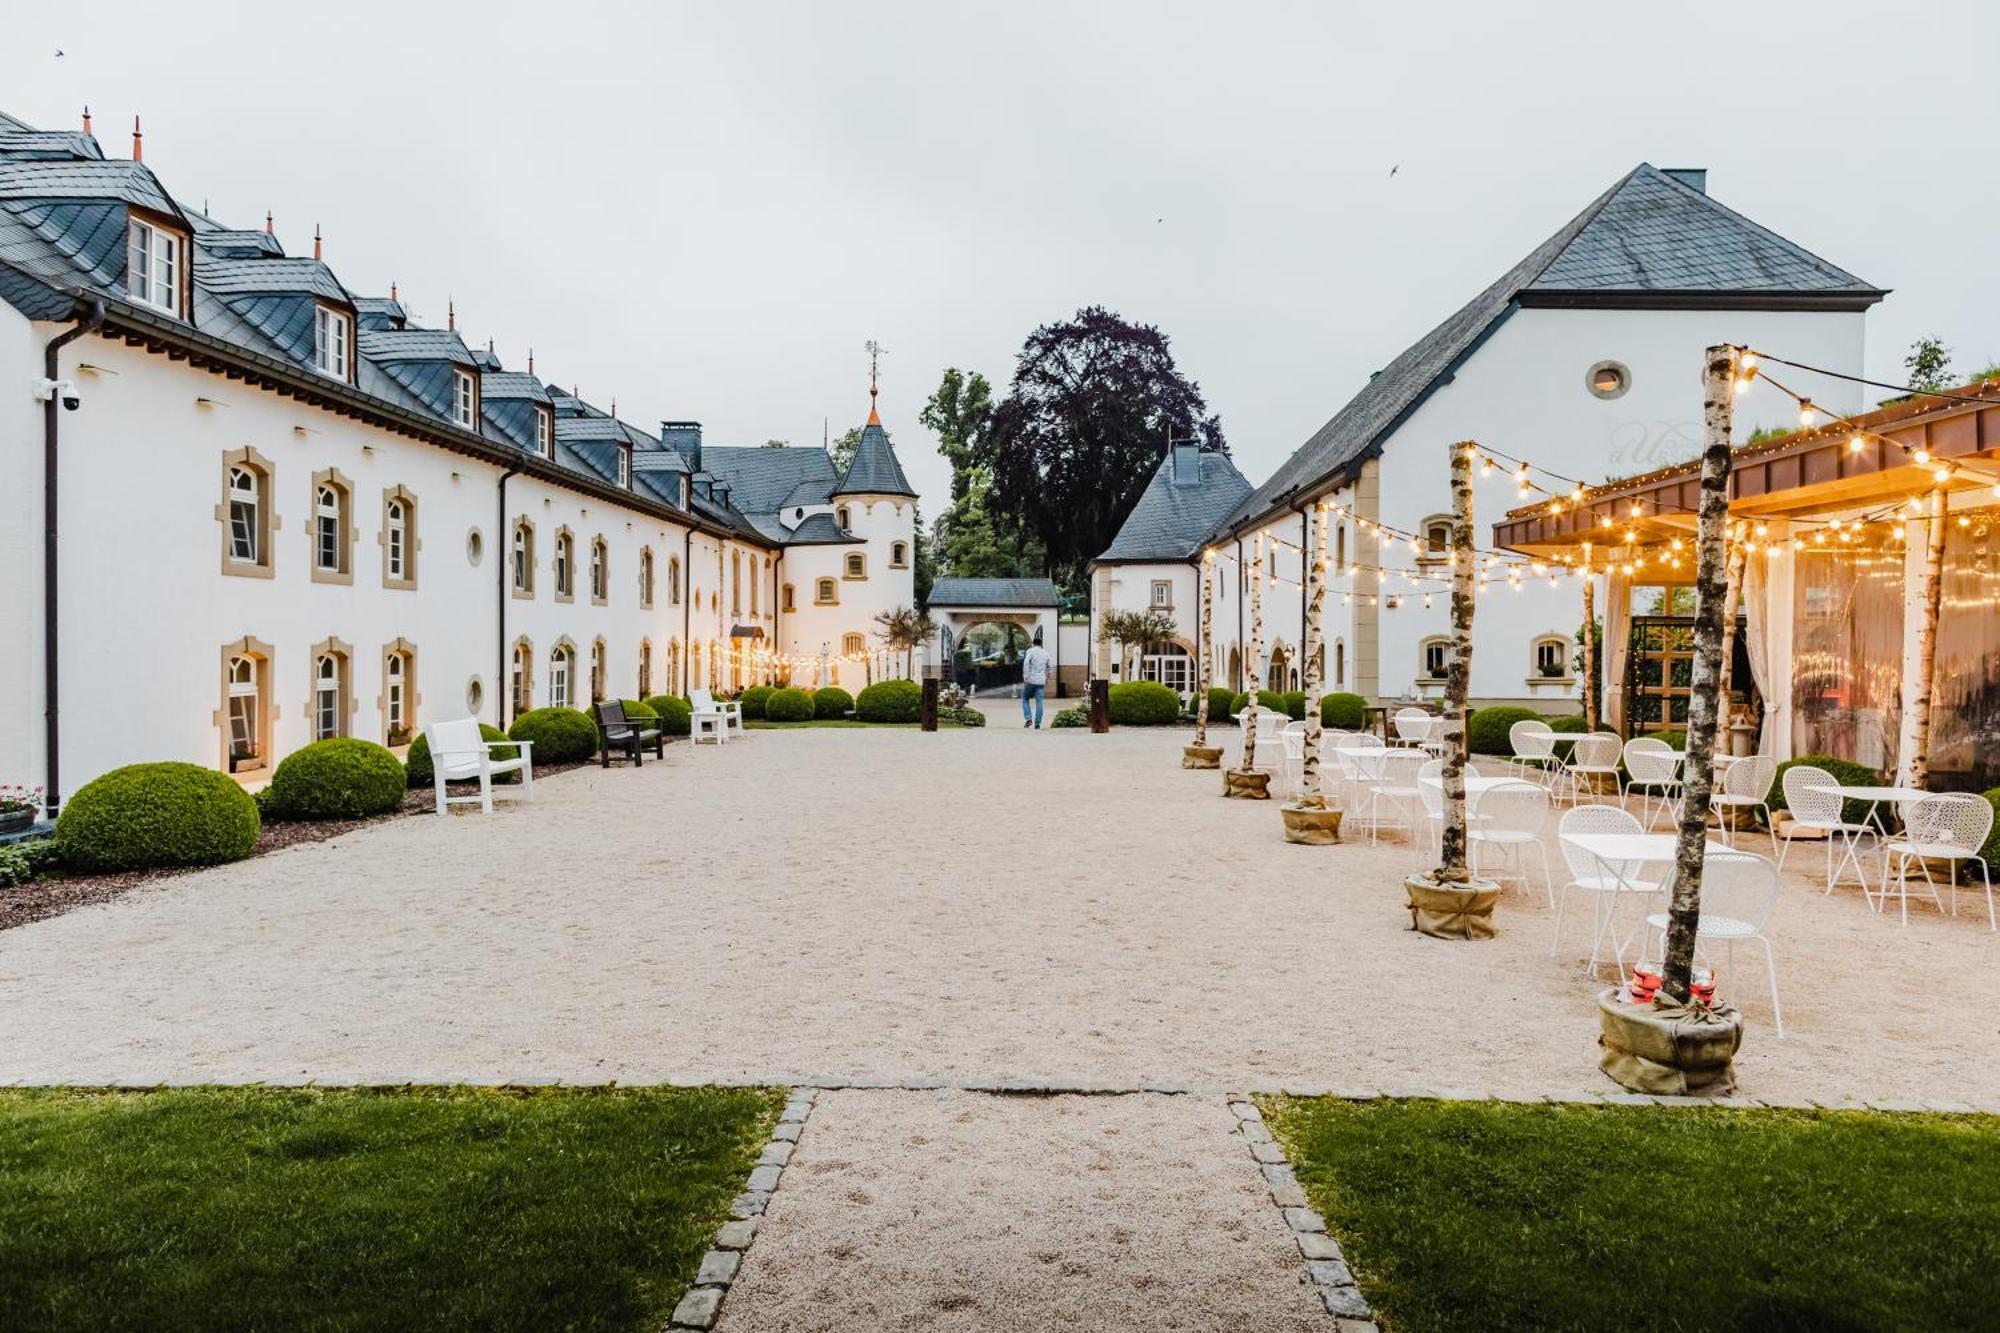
[1035, 666]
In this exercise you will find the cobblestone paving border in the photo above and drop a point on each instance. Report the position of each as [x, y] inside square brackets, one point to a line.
[702, 1304]
[1326, 1266]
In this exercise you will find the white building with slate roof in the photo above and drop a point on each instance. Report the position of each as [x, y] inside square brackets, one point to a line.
[247, 508]
[1583, 358]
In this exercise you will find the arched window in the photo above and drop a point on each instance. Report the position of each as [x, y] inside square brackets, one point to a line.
[244, 684]
[857, 565]
[736, 583]
[564, 568]
[1340, 548]
[600, 571]
[329, 715]
[1339, 664]
[246, 490]
[824, 592]
[1169, 664]
[398, 696]
[673, 580]
[840, 517]
[396, 541]
[785, 598]
[756, 579]
[674, 666]
[1435, 542]
[524, 559]
[597, 671]
[329, 528]
[645, 668]
[899, 554]
[1434, 658]
[562, 663]
[646, 578]
[524, 677]
[1552, 657]
[694, 665]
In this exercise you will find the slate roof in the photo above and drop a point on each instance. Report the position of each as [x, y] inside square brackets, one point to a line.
[23, 142]
[1649, 234]
[129, 182]
[820, 530]
[231, 243]
[993, 592]
[496, 384]
[227, 276]
[763, 481]
[1170, 522]
[874, 469]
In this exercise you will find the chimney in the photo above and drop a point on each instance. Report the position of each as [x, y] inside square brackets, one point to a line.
[685, 438]
[138, 142]
[86, 120]
[316, 245]
[531, 360]
[270, 224]
[451, 314]
[1187, 463]
[1695, 178]
[392, 292]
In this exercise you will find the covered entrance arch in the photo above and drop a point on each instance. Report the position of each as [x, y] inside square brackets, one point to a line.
[985, 625]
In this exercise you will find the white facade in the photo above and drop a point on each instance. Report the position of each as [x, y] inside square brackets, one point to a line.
[830, 633]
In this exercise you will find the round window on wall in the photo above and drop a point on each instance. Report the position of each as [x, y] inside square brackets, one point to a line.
[1608, 379]
[474, 696]
[475, 546]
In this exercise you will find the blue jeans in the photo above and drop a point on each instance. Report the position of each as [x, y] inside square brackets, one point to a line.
[1034, 692]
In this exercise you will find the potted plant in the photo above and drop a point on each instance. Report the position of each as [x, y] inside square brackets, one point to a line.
[20, 807]
[1309, 820]
[398, 735]
[1447, 902]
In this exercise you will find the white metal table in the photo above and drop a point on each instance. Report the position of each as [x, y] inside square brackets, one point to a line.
[1613, 852]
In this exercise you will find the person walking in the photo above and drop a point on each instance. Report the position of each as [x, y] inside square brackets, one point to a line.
[1034, 682]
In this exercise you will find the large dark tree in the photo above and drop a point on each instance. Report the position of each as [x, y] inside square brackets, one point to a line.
[1082, 428]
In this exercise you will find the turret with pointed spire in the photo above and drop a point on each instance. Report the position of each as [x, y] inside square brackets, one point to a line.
[874, 469]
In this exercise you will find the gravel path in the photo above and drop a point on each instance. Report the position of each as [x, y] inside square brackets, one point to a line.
[956, 1211]
[848, 905]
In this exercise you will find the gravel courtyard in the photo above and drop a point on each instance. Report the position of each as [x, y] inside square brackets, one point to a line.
[848, 906]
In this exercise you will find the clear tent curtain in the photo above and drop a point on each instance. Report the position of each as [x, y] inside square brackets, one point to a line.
[1965, 698]
[1757, 620]
[1847, 655]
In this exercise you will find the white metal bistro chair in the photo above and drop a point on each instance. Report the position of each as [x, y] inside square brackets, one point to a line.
[1653, 770]
[1270, 726]
[1508, 821]
[1602, 881]
[1594, 756]
[1430, 789]
[1293, 739]
[1738, 892]
[1357, 766]
[1413, 726]
[460, 754]
[1534, 746]
[715, 718]
[1396, 795]
[1746, 786]
[1949, 827]
[1816, 807]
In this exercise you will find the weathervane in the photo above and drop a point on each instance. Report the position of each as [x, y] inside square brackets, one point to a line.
[875, 351]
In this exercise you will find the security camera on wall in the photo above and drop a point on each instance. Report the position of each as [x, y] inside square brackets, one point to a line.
[47, 389]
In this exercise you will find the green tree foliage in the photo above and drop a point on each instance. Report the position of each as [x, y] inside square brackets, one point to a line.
[1929, 365]
[969, 540]
[1092, 406]
[843, 449]
[957, 415]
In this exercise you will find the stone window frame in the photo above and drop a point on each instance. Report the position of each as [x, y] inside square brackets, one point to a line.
[1564, 646]
[412, 542]
[848, 565]
[853, 644]
[787, 599]
[899, 555]
[349, 532]
[826, 592]
[523, 527]
[736, 583]
[600, 571]
[345, 705]
[674, 665]
[1619, 369]
[562, 560]
[673, 580]
[645, 675]
[843, 518]
[1424, 647]
[521, 676]
[1425, 555]
[413, 699]
[262, 655]
[268, 521]
[600, 669]
[756, 582]
[1340, 664]
[564, 647]
[645, 578]
[1153, 599]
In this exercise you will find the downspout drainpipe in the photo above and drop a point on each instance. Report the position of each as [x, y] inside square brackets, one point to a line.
[777, 605]
[51, 521]
[1305, 554]
[687, 603]
[503, 694]
[1242, 582]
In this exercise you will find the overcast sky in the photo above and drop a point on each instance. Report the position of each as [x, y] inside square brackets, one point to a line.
[704, 210]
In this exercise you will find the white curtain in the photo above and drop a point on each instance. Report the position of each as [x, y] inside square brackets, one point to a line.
[1617, 612]
[1756, 621]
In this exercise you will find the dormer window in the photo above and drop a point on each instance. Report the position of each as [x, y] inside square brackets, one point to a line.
[625, 467]
[153, 267]
[545, 432]
[333, 337]
[465, 398]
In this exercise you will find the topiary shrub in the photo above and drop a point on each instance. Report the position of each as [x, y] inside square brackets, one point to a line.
[754, 700]
[789, 706]
[559, 735]
[1347, 712]
[1241, 700]
[1990, 853]
[961, 717]
[1292, 703]
[1221, 704]
[1486, 729]
[147, 815]
[891, 701]
[343, 778]
[675, 713]
[832, 703]
[1844, 772]
[1071, 717]
[1143, 703]
[1573, 724]
[417, 770]
[22, 861]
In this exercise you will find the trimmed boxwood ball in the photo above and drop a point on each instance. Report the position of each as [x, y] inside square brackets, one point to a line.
[891, 701]
[961, 717]
[417, 770]
[1143, 703]
[1292, 703]
[343, 778]
[146, 815]
[559, 735]
[1486, 730]
[1845, 772]
[1071, 717]
[675, 713]
[832, 702]
[754, 699]
[1345, 712]
[1221, 704]
[789, 706]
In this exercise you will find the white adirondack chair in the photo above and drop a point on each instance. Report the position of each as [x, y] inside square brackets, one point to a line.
[459, 753]
[714, 718]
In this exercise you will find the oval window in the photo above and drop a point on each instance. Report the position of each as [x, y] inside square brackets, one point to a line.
[1608, 379]
[475, 546]
[474, 695]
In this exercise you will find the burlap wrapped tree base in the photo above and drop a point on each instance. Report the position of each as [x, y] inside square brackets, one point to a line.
[1314, 826]
[1682, 1050]
[1201, 756]
[1452, 911]
[1246, 786]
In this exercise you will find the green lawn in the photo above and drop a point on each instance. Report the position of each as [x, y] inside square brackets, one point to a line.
[1459, 1215]
[448, 1208]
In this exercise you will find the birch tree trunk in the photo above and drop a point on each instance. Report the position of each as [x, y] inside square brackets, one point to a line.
[1698, 776]
[1202, 673]
[1311, 795]
[1592, 719]
[1920, 703]
[1452, 868]
[1253, 670]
